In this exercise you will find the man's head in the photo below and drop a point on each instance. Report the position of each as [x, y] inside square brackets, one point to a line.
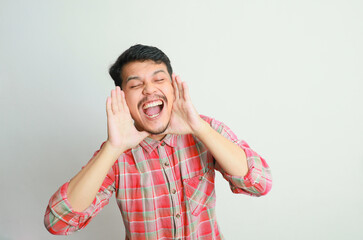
[138, 53]
[144, 74]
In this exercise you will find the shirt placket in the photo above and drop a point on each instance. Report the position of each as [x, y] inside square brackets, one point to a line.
[173, 192]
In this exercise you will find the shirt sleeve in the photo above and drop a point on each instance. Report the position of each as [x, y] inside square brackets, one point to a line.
[258, 180]
[61, 219]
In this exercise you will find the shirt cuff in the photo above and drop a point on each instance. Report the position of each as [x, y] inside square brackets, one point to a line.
[62, 209]
[257, 181]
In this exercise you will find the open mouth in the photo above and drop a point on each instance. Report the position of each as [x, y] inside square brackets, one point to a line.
[153, 109]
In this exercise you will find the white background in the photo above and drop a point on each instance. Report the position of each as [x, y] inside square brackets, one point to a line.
[286, 76]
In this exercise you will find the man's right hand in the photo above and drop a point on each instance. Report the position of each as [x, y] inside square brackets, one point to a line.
[122, 134]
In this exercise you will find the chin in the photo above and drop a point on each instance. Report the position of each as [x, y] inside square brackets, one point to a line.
[154, 128]
[158, 130]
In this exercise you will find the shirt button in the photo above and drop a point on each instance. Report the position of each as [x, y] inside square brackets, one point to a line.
[200, 178]
[177, 215]
[173, 191]
[166, 164]
[163, 144]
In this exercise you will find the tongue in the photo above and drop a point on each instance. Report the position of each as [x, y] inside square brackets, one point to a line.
[153, 110]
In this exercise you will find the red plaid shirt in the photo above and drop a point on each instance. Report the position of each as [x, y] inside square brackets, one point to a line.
[164, 189]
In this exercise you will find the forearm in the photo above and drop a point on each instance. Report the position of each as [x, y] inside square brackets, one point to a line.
[230, 157]
[82, 189]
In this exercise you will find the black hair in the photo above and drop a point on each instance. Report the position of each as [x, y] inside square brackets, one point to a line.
[138, 53]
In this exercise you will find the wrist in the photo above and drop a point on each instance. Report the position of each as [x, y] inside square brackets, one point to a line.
[112, 150]
[203, 129]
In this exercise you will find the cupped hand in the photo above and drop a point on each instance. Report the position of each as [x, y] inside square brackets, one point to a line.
[122, 133]
[184, 117]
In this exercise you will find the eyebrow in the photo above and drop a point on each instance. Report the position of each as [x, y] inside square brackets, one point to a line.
[138, 78]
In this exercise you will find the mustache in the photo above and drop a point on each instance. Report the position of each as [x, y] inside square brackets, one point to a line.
[146, 99]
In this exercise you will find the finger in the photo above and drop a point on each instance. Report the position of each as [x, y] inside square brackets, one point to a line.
[175, 85]
[119, 98]
[180, 87]
[108, 107]
[124, 103]
[114, 104]
[186, 95]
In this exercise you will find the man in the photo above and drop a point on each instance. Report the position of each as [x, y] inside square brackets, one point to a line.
[159, 158]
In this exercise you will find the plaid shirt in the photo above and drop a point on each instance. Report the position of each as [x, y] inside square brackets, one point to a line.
[164, 189]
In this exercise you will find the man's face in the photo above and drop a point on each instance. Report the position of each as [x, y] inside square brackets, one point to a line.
[149, 95]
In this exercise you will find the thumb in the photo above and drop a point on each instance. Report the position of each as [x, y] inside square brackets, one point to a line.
[143, 135]
[169, 129]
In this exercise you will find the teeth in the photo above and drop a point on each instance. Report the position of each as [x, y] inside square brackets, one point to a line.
[153, 104]
[155, 115]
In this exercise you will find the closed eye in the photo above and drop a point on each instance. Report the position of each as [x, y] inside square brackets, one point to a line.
[135, 86]
[159, 80]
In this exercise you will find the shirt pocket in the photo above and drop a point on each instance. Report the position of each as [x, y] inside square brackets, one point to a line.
[200, 191]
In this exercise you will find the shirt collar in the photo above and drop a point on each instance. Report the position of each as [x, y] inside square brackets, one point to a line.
[149, 144]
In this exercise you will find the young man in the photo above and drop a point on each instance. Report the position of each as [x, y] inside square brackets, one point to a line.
[160, 159]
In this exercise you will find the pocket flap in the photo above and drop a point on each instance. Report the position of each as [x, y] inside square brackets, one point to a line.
[200, 192]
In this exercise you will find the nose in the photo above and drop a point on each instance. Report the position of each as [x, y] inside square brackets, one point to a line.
[149, 89]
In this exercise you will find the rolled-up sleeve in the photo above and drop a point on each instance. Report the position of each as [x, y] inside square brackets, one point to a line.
[258, 180]
[61, 219]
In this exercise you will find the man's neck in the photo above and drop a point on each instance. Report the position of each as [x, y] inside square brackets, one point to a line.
[157, 137]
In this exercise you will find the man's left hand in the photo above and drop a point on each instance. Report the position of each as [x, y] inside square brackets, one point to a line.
[184, 117]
